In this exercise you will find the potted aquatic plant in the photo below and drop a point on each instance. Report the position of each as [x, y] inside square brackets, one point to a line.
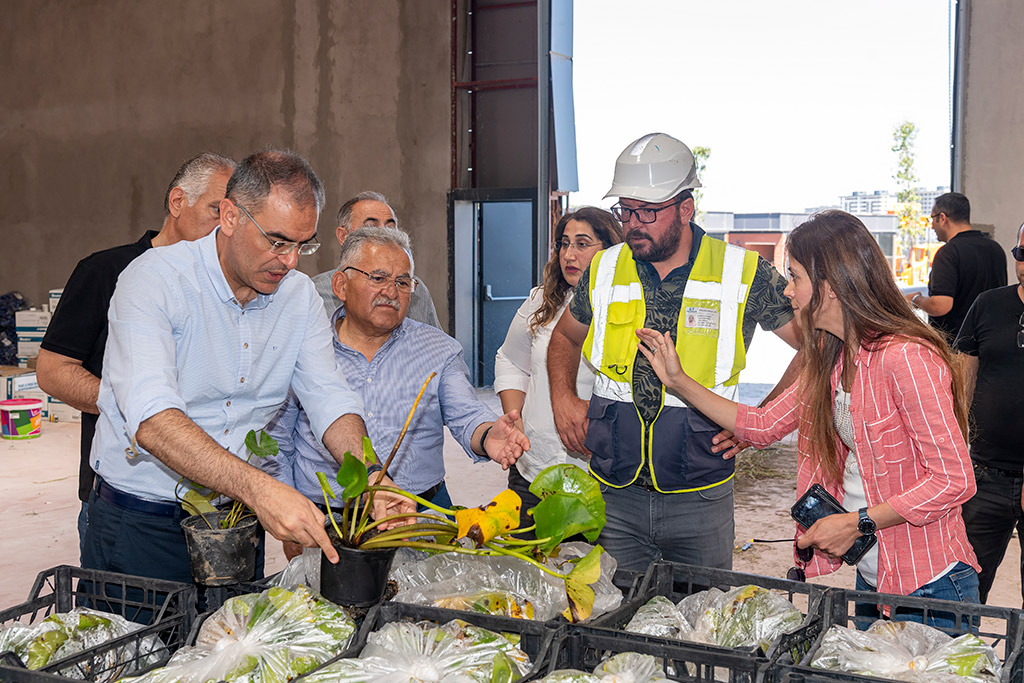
[222, 542]
[571, 504]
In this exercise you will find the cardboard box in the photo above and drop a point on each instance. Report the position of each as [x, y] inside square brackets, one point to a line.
[62, 412]
[29, 347]
[54, 298]
[31, 321]
[18, 380]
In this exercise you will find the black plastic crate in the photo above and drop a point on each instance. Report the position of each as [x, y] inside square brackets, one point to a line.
[676, 581]
[167, 609]
[1001, 627]
[583, 648]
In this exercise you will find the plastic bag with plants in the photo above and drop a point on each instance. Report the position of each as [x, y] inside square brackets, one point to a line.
[625, 667]
[456, 651]
[908, 651]
[69, 633]
[268, 637]
[745, 616]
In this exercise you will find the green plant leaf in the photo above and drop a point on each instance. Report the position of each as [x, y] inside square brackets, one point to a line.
[352, 477]
[577, 586]
[196, 503]
[571, 503]
[261, 445]
[325, 485]
[369, 455]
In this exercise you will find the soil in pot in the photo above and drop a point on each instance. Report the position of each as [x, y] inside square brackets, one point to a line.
[220, 557]
[359, 579]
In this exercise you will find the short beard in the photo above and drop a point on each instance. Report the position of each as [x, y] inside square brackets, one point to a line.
[662, 250]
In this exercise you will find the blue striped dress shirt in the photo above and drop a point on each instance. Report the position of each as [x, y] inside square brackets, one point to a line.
[179, 339]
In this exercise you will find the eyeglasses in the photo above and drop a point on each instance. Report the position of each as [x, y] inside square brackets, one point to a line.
[578, 245]
[1018, 253]
[1020, 332]
[284, 247]
[403, 283]
[644, 214]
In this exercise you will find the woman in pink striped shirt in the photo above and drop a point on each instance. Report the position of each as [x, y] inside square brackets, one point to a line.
[881, 415]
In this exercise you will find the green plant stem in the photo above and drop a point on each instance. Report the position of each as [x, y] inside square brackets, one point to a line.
[403, 531]
[521, 543]
[423, 545]
[330, 516]
[511, 553]
[378, 542]
[450, 526]
[410, 496]
[523, 530]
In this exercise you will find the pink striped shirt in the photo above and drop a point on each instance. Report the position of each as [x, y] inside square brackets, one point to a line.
[910, 452]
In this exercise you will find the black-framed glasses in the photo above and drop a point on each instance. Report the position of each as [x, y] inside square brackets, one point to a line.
[644, 214]
[403, 283]
[1020, 332]
[578, 245]
[284, 247]
[1018, 253]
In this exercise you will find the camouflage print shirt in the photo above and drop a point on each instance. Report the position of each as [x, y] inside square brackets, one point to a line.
[766, 305]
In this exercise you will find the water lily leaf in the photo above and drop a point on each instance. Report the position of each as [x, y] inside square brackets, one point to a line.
[369, 455]
[196, 503]
[577, 586]
[325, 485]
[481, 524]
[571, 503]
[261, 445]
[351, 477]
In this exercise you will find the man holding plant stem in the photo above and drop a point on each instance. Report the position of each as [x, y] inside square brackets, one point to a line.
[386, 357]
[205, 341]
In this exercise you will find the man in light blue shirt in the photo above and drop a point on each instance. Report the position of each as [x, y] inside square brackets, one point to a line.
[206, 339]
[386, 358]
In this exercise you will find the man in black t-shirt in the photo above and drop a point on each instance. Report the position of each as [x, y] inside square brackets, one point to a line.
[71, 359]
[969, 264]
[992, 337]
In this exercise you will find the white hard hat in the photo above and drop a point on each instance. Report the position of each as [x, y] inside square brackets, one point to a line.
[654, 168]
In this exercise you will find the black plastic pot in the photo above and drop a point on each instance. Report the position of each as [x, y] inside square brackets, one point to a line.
[220, 557]
[360, 577]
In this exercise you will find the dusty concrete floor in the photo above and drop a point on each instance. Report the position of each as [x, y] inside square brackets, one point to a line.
[39, 508]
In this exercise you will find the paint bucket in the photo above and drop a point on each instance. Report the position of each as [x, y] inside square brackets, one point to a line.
[21, 418]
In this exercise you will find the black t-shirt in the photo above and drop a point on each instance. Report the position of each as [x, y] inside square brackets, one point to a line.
[969, 264]
[990, 332]
[78, 328]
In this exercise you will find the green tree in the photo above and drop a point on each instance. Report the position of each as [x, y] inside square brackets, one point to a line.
[700, 157]
[908, 208]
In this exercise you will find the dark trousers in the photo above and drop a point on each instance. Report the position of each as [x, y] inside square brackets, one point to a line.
[990, 517]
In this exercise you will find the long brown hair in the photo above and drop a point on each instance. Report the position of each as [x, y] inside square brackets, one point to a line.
[555, 287]
[835, 247]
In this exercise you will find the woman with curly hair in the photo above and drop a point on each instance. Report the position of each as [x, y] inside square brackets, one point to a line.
[520, 366]
[881, 413]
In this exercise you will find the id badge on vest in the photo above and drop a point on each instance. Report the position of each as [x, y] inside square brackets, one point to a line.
[701, 317]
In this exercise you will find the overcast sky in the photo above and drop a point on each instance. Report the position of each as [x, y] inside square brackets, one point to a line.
[796, 99]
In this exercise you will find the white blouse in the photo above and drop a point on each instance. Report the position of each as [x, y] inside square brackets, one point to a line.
[521, 364]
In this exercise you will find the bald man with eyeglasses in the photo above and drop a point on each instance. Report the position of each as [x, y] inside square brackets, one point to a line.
[992, 341]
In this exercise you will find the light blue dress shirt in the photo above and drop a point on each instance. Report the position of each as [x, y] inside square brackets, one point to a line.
[179, 339]
[388, 386]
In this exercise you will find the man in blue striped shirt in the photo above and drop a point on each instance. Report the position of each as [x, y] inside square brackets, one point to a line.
[386, 357]
[206, 340]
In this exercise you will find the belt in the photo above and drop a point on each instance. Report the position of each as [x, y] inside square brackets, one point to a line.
[109, 494]
[1012, 474]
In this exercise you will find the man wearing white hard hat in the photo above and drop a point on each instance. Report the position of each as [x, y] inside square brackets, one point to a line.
[667, 470]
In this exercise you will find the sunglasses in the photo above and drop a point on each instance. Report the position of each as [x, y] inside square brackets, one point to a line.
[803, 556]
[1018, 253]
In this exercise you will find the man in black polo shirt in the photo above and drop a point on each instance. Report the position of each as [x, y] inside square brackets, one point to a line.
[69, 364]
[969, 264]
[992, 339]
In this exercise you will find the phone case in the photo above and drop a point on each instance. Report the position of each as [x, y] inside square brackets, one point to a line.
[817, 503]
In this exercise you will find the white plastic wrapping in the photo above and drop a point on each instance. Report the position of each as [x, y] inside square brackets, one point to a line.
[404, 652]
[745, 616]
[625, 667]
[908, 651]
[500, 585]
[70, 633]
[267, 637]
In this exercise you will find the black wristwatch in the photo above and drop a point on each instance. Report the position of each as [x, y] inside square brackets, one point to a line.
[865, 525]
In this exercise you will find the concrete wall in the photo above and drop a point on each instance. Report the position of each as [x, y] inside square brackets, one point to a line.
[992, 149]
[103, 100]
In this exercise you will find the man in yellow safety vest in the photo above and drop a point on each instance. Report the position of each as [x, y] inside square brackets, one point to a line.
[666, 470]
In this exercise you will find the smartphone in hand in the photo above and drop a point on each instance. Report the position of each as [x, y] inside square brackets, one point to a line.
[818, 503]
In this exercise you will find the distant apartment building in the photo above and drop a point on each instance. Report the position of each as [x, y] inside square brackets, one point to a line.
[766, 233]
[883, 201]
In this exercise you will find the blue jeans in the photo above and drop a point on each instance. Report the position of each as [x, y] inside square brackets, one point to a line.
[692, 528]
[960, 584]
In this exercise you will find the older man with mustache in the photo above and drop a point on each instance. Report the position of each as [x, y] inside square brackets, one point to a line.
[386, 357]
